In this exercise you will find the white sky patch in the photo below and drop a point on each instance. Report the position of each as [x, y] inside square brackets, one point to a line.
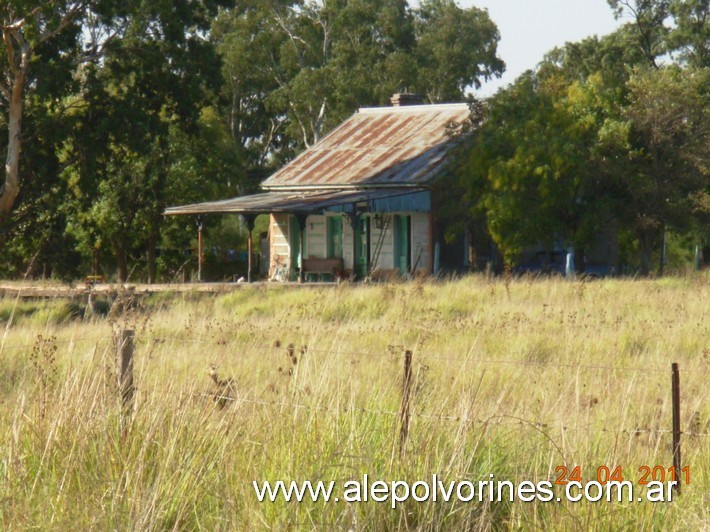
[531, 28]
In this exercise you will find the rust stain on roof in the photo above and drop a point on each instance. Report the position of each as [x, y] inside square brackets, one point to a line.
[378, 146]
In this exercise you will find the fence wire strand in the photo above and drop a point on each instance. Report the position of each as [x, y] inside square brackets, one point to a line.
[66, 341]
[498, 419]
[508, 421]
[422, 356]
[337, 352]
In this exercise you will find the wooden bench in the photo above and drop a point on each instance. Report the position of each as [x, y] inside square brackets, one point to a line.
[322, 268]
[92, 280]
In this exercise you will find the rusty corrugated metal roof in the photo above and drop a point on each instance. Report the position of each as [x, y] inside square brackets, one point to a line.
[291, 202]
[385, 146]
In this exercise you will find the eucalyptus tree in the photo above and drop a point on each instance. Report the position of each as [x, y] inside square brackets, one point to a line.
[678, 28]
[531, 170]
[668, 147]
[159, 76]
[456, 49]
[598, 136]
[43, 42]
[294, 70]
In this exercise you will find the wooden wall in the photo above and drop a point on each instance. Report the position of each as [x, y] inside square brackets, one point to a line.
[421, 242]
[386, 259]
[315, 236]
[278, 240]
[316, 241]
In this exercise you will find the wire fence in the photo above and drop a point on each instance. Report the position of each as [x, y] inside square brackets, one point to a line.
[397, 349]
[506, 420]
[65, 341]
[496, 420]
[392, 351]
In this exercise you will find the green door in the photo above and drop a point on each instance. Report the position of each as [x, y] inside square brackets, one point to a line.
[295, 244]
[363, 246]
[402, 237]
[335, 236]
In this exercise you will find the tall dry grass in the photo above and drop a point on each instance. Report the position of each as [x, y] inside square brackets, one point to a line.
[512, 380]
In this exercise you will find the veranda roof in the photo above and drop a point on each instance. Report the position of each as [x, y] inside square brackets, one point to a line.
[312, 202]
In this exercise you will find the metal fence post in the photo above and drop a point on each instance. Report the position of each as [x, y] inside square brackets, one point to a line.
[676, 424]
[406, 395]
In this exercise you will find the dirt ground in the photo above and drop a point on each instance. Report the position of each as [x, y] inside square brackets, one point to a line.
[32, 289]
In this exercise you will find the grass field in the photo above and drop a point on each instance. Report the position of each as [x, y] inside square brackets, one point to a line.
[509, 378]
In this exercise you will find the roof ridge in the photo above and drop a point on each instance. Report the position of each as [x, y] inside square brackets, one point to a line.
[406, 108]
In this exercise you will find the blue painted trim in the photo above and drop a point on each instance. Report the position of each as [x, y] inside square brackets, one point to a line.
[415, 202]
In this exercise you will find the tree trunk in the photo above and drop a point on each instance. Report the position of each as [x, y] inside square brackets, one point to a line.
[151, 256]
[121, 262]
[14, 40]
[579, 260]
[662, 258]
[96, 267]
[11, 187]
[645, 255]
[157, 205]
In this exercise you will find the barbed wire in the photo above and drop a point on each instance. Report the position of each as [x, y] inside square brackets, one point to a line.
[497, 419]
[400, 349]
[3, 347]
[392, 351]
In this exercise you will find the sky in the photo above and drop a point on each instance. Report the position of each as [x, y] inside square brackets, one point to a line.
[531, 28]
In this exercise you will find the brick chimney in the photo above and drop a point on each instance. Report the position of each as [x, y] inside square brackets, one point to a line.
[400, 99]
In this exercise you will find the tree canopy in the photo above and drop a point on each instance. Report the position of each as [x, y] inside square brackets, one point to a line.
[110, 111]
[607, 133]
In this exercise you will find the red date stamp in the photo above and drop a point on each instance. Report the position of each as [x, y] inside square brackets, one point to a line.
[606, 474]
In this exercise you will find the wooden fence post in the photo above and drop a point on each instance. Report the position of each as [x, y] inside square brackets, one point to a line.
[406, 395]
[676, 424]
[200, 254]
[124, 367]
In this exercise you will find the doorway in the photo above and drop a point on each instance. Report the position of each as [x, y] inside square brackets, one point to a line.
[295, 245]
[334, 235]
[402, 239]
[363, 246]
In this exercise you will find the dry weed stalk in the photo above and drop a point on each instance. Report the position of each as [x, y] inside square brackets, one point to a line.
[44, 363]
[225, 389]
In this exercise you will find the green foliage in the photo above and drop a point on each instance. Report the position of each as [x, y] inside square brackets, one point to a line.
[456, 49]
[680, 28]
[133, 106]
[116, 133]
[690, 33]
[14, 310]
[531, 164]
[40, 313]
[598, 137]
[294, 71]
[649, 23]
[668, 112]
[57, 313]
